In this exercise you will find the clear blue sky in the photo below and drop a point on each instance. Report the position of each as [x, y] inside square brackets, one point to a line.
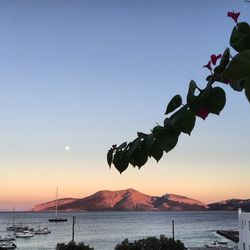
[88, 74]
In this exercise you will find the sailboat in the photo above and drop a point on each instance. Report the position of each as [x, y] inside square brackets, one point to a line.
[14, 227]
[57, 219]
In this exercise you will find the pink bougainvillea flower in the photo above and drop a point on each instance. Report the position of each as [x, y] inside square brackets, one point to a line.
[208, 65]
[214, 58]
[233, 15]
[203, 113]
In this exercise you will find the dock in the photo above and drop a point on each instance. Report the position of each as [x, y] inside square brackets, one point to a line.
[210, 248]
[229, 234]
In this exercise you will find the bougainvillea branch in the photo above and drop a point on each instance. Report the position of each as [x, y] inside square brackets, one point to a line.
[180, 116]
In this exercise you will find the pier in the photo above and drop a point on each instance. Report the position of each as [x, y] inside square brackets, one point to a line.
[230, 235]
[209, 248]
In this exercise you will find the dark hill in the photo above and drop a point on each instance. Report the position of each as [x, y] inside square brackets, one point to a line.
[231, 205]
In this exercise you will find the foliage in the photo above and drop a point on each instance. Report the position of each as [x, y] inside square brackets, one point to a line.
[73, 246]
[231, 70]
[151, 243]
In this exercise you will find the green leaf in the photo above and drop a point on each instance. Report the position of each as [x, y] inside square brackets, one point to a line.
[243, 27]
[188, 121]
[110, 156]
[140, 157]
[218, 69]
[123, 145]
[168, 141]
[166, 122]
[240, 37]
[247, 89]
[132, 147]
[237, 85]
[208, 78]
[147, 144]
[220, 78]
[214, 100]
[175, 103]
[196, 104]
[239, 67]
[141, 134]
[156, 151]
[131, 160]
[225, 59]
[183, 120]
[191, 91]
[137, 152]
[157, 131]
[120, 162]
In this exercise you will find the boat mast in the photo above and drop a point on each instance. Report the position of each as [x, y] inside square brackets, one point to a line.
[56, 199]
[13, 218]
[173, 229]
[73, 230]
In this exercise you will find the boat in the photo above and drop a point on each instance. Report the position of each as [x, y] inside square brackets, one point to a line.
[7, 238]
[57, 219]
[216, 244]
[12, 228]
[7, 245]
[223, 243]
[44, 230]
[18, 228]
[24, 234]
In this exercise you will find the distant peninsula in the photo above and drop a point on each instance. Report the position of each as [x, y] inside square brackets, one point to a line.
[133, 200]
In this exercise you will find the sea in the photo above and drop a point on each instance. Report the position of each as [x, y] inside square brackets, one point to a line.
[104, 230]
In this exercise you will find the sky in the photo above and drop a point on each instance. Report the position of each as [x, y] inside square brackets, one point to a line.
[78, 76]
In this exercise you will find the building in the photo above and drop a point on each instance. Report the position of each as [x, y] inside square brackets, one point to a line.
[244, 230]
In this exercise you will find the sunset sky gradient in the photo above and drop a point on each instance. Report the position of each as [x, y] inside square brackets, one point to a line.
[89, 74]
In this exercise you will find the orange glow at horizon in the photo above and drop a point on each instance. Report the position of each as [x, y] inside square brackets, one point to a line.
[206, 182]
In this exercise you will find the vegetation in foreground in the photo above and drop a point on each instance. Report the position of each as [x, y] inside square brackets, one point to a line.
[150, 243]
[73, 246]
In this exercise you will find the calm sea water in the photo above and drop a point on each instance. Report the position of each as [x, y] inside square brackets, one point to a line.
[103, 230]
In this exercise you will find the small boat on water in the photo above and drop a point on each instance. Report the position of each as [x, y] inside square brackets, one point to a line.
[7, 245]
[24, 234]
[216, 244]
[57, 219]
[18, 228]
[7, 238]
[44, 230]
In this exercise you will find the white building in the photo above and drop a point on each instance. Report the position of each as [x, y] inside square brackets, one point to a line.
[244, 230]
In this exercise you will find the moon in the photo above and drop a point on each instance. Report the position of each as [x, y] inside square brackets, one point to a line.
[67, 148]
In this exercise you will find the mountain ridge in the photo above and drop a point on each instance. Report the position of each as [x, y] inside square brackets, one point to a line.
[128, 199]
[231, 205]
[131, 199]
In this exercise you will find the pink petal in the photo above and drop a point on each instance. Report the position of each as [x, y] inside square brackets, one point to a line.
[208, 65]
[203, 113]
[214, 58]
[233, 15]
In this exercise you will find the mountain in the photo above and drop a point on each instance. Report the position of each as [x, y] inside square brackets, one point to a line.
[178, 203]
[231, 205]
[51, 204]
[128, 199]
